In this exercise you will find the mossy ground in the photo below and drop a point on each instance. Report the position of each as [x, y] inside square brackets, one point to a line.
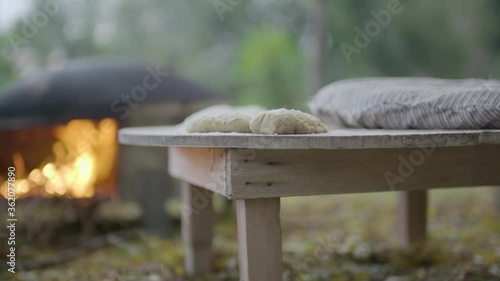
[359, 231]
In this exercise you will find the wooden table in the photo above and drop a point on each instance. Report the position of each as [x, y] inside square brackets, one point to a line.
[256, 170]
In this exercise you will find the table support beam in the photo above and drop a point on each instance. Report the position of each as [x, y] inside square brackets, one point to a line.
[259, 238]
[197, 229]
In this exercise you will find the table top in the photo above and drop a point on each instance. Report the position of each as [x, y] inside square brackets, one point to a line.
[334, 139]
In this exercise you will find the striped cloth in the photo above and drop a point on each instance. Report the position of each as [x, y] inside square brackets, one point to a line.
[409, 103]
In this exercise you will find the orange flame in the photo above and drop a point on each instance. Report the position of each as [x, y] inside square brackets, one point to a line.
[83, 156]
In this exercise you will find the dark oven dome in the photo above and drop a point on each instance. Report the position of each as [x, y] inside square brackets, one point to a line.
[92, 88]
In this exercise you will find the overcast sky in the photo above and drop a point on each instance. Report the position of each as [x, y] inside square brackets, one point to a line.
[11, 10]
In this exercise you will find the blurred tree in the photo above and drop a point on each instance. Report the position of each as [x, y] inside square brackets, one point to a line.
[7, 74]
[449, 39]
[266, 51]
[270, 68]
[315, 48]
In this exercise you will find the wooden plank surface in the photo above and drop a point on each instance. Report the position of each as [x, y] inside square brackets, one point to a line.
[334, 139]
[259, 239]
[278, 173]
[204, 167]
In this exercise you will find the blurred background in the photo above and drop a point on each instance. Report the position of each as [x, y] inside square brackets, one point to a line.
[276, 53]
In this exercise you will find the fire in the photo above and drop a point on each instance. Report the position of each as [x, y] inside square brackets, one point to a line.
[83, 157]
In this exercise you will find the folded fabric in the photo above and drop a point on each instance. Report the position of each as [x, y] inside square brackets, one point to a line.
[409, 103]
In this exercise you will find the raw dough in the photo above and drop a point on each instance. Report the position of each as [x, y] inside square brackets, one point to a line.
[285, 121]
[222, 118]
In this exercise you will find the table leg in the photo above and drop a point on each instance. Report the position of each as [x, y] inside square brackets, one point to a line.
[496, 200]
[259, 238]
[197, 229]
[412, 217]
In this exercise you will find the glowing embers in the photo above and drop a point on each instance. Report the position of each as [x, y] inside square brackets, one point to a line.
[81, 162]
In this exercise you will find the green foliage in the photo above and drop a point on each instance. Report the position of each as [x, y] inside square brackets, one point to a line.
[270, 69]
[449, 39]
[7, 75]
[258, 52]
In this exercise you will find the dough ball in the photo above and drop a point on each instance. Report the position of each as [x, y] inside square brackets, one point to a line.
[285, 121]
[220, 122]
[222, 118]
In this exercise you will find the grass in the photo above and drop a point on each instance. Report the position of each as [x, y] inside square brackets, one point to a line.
[355, 235]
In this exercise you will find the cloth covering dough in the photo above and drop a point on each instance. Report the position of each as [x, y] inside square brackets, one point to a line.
[222, 118]
[286, 121]
[409, 103]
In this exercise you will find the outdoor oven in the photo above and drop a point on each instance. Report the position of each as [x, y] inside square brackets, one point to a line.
[76, 159]
[59, 129]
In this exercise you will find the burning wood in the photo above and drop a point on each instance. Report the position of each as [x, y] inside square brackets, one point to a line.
[82, 158]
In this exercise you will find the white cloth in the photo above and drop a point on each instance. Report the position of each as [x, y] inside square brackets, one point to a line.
[409, 103]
